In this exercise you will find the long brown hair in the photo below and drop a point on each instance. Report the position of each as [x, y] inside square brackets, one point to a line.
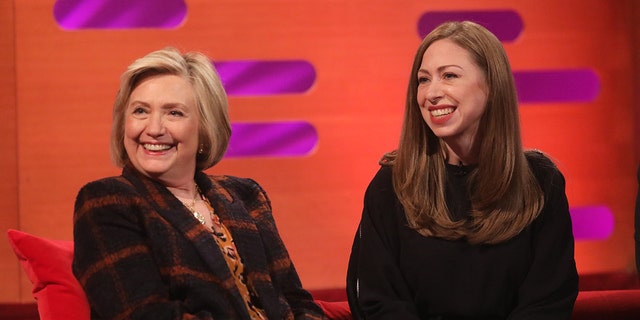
[505, 196]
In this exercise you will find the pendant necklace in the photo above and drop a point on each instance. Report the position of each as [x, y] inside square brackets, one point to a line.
[192, 207]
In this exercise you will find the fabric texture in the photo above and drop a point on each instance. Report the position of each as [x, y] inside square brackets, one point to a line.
[47, 264]
[394, 272]
[139, 253]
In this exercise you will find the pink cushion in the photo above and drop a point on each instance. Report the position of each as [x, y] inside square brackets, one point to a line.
[47, 263]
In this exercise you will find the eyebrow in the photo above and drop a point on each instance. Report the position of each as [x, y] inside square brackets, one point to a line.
[167, 105]
[440, 68]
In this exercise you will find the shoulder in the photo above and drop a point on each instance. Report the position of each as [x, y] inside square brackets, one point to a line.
[235, 184]
[538, 160]
[380, 195]
[541, 165]
[238, 188]
[107, 197]
[106, 186]
[545, 170]
[382, 181]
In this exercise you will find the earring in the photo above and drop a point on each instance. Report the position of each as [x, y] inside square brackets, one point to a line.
[201, 149]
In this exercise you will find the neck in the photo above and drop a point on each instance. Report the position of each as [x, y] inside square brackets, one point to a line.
[461, 154]
[184, 192]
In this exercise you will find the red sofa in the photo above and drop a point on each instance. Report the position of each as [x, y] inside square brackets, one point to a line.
[621, 304]
[47, 263]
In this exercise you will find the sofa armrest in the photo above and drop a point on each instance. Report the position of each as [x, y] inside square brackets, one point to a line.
[607, 304]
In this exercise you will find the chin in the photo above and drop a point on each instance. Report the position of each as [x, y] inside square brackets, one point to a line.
[152, 171]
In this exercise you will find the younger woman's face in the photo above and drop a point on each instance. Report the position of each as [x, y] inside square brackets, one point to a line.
[452, 92]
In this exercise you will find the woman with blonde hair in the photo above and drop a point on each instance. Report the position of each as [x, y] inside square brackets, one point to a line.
[164, 240]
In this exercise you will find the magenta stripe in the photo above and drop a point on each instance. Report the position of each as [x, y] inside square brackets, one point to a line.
[120, 14]
[548, 86]
[272, 139]
[256, 77]
[592, 223]
[505, 24]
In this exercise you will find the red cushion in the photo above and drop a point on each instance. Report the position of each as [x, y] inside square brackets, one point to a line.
[47, 263]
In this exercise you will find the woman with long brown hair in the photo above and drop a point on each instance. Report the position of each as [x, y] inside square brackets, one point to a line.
[461, 222]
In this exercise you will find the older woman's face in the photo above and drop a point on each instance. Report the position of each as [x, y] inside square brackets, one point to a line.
[161, 128]
[452, 92]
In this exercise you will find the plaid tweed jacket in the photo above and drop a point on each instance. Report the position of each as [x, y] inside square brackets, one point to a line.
[140, 254]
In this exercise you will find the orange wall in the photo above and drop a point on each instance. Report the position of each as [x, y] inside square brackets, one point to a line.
[9, 218]
[57, 89]
[10, 273]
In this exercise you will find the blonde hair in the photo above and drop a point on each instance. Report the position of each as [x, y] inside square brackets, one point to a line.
[211, 101]
[505, 196]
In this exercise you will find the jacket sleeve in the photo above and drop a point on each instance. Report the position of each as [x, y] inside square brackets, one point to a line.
[284, 275]
[376, 288]
[112, 258]
[551, 286]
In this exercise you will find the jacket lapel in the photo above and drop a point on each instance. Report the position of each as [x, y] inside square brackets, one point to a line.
[174, 212]
[234, 213]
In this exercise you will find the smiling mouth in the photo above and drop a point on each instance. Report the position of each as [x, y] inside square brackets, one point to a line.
[441, 112]
[156, 147]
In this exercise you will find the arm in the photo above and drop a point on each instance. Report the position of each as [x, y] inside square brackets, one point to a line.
[283, 273]
[551, 286]
[376, 287]
[113, 260]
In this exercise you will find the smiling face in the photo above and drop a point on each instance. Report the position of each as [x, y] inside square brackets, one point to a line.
[452, 93]
[161, 129]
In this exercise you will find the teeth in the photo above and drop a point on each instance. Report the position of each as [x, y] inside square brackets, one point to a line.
[441, 112]
[156, 147]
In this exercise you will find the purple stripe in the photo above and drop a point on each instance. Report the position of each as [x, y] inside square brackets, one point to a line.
[272, 139]
[592, 223]
[580, 85]
[256, 78]
[119, 14]
[505, 24]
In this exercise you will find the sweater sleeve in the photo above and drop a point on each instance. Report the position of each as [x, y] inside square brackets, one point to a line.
[284, 275]
[551, 285]
[376, 288]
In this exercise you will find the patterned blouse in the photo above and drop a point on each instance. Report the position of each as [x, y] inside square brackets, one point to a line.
[230, 253]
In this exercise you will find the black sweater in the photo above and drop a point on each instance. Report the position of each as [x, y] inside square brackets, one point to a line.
[396, 273]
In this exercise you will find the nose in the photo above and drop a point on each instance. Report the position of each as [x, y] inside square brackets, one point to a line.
[434, 92]
[155, 126]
